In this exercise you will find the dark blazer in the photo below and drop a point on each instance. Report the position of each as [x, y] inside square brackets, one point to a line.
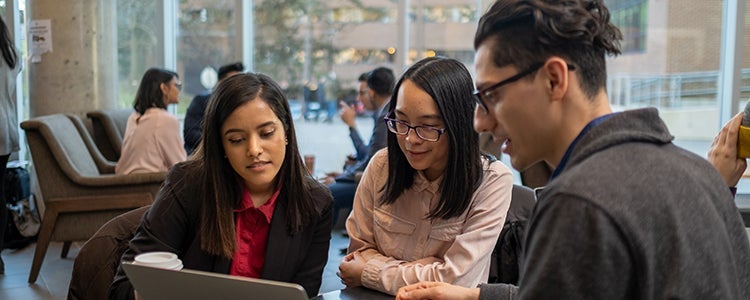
[191, 130]
[173, 224]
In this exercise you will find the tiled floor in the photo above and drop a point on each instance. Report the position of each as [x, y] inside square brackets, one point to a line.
[54, 276]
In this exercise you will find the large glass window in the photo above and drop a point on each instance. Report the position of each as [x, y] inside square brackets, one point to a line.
[671, 49]
[137, 45]
[631, 16]
[676, 69]
[206, 40]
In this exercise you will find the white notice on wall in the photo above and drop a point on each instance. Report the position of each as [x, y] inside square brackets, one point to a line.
[40, 38]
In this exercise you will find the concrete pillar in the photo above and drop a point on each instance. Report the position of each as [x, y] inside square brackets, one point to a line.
[80, 74]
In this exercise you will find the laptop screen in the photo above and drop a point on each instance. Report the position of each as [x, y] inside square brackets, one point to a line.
[153, 283]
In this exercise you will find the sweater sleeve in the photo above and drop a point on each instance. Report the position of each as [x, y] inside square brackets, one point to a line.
[498, 291]
[575, 250]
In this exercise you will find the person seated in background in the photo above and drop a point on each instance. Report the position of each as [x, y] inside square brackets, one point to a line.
[244, 204]
[152, 141]
[349, 115]
[626, 213]
[430, 207]
[194, 116]
[379, 87]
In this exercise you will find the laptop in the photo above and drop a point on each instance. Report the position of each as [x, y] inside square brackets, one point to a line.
[154, 283]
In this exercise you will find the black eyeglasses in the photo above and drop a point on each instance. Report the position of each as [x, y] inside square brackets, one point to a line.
[482, 97]
[427, 133]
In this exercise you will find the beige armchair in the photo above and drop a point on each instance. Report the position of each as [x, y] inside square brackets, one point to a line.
[77, 197]
[109, 129]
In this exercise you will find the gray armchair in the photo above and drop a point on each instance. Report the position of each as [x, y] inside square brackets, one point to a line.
[109, 129]
[104, 165]
[78, 198]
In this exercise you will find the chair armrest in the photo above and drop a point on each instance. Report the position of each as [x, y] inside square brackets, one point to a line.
[115, 180]
[104, 165]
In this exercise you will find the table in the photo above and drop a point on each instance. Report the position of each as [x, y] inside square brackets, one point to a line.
[355, 293]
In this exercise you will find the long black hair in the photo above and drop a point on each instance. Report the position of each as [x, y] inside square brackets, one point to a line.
[6, 44]
[449, 84]
[221, 184]
[149, 92]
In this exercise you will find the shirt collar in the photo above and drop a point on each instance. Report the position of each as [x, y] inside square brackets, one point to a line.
[589, 126]
[266, 209]
[421, 183]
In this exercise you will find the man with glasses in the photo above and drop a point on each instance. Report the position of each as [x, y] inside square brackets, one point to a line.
[626, 214]
[378, 88]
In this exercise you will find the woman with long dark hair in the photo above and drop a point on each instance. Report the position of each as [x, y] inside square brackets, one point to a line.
[244, 204]
[152, 140]
[430, 207]
[10, 67]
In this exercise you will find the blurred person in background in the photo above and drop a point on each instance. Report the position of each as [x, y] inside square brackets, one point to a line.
[375, 93]
[194, 116]
[10, 67]
[152, 141]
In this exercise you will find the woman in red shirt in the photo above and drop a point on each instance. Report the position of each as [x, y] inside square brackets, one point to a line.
[244, 204]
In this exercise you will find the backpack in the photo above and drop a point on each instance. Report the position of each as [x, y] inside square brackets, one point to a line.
[17, 185]
[508, 253]
[507, 256]
[23, 218]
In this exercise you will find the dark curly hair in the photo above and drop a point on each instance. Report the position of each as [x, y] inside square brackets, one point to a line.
[526, 32]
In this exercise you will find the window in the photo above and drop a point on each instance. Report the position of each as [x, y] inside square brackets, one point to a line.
[205, 41]
[631, 17]
[137, 45]
[450, 14]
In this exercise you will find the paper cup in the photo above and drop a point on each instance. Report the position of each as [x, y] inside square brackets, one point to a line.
[162, 260]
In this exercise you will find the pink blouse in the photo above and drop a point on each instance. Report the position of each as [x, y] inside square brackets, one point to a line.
[391, 236]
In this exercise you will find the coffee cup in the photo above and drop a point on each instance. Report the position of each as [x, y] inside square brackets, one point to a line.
[162, 260]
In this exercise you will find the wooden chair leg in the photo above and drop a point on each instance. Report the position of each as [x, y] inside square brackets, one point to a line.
[42, 243]
[65, 249]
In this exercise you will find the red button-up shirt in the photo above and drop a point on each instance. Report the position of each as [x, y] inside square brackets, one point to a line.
[253, 224]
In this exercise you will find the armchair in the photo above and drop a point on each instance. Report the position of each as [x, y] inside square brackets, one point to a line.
[77, 197]
[109, 129]
[96, 264]
[104, 165]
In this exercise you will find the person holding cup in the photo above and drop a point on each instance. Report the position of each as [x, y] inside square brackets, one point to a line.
[244, 204]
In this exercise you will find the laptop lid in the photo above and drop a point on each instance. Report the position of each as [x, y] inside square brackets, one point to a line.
[153, 283]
